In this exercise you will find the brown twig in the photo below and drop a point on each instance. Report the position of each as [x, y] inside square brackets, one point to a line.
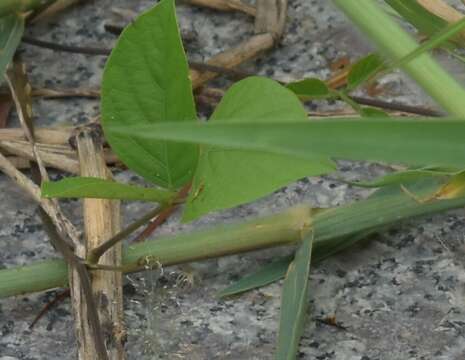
[58, 298]
[211, 67]
[163, 215]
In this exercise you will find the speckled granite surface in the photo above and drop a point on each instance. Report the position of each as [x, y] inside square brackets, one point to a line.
[402, 296]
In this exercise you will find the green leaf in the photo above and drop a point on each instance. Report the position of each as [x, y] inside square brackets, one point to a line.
[364, 69]
[308, 89]
[414, 141]
[229, 177]
[453, 188]
[367, 111]
[401, 177]
[294, 302]
[88, 187]
[436, 40]
[268, 274]
[11, 30]
[146, 81]
[426, 22]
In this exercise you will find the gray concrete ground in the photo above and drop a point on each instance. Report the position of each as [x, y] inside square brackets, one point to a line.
[402, 296]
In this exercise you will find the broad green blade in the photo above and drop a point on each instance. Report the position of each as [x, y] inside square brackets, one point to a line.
[11, 30]
[17, 6]
[88, 187]
[226, 177]
[145, 82]
[413, 142]
[294, 301]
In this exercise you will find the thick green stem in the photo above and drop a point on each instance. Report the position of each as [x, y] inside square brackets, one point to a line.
[10, 6]
[282, 229]
[397, 43]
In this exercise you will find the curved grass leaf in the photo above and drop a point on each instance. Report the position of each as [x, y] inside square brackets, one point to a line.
[435, 41]
[268, 274]
[11, 30]
[308, 89]
[426, 22]
[415, 142]
[88, 187]
[453, 188]
[229, 177]
[363, 69]
[294, 301]
[146, 81]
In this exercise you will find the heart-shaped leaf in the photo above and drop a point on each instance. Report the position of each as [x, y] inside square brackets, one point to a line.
[146, 81]
[229, 177]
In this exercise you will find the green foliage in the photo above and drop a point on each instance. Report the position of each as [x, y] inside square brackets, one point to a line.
[403, 177]
[228, 177]
[309, 89]
[426, 22]
[394, 140]
[11, 30]
[146, 81]
[294, 301]
[267, 274]
[363, 69]
[87, 187]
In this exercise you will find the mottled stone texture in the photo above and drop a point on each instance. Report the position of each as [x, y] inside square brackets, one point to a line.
[401, 296]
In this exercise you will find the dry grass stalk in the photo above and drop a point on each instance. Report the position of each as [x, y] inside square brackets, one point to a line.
[101, 221]
[248, 50]
[226, 5]
[442, 9]
[51, 136]
[65, 93]
[271, 17]
[51, 10]
[55, 159]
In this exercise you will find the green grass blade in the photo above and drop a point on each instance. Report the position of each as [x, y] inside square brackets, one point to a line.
[433, 42]
[88, 187]
[268, 274]
[414, 142]
[426, 22]
[397, 43]
[400, 177]
[11, 30]
[294, 301]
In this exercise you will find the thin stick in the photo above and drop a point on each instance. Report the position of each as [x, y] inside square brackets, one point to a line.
[105, 52]
[164, 214]
[95, 253]
[225, 5]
